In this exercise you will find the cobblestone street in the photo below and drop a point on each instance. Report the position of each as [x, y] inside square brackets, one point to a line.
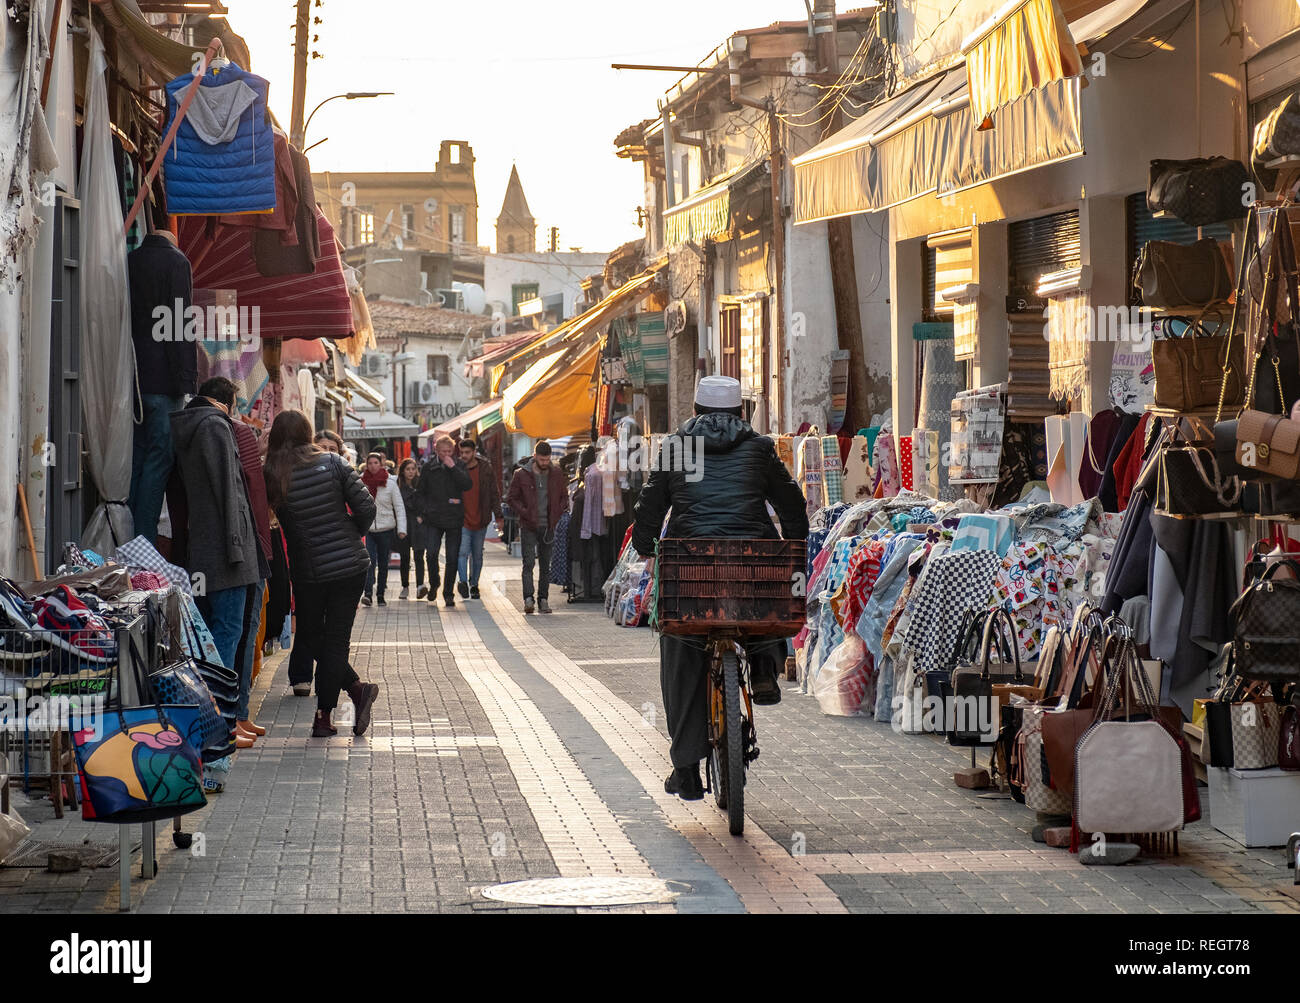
[507, 747]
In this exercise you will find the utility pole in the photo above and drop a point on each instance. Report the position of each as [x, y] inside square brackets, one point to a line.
[839, 239]
[302, 30]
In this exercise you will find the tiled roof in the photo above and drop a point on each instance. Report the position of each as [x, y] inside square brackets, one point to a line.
[392, 319]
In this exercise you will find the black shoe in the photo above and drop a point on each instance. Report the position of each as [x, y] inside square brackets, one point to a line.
[765, 689]
[449, 601]
[421, 592]
[363, 700]
[365, 600]
[432, 596]
[463, 589]
[473, 592]
[685, 783]
[380, 601]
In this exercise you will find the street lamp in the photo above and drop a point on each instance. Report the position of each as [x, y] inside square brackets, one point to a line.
[349, 96]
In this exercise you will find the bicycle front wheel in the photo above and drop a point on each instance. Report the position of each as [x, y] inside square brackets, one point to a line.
[731, 746]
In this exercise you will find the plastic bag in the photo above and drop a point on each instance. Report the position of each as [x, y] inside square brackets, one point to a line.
[13, 830]
[841, 682]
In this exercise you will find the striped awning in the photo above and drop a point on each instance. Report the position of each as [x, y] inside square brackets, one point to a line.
[707, 213]
[1026, 45]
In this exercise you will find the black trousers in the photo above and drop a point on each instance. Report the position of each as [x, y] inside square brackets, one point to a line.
[405, 547]
[435, 536]
[326, 611]
[683, 677]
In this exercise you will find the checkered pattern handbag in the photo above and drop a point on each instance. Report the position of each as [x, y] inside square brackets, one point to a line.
[1255, 731]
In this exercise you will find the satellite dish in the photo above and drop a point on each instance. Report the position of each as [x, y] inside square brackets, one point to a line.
[397, 243]
[675, 317]
[430, 205]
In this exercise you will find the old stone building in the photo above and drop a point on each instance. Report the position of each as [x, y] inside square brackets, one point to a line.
[516, 227]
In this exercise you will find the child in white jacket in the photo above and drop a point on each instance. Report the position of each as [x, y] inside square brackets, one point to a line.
[389, 525]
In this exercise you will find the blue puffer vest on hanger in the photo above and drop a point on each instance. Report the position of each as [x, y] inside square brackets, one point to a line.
[223, 158]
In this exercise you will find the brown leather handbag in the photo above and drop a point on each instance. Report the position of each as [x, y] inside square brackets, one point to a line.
[1194, 369]
[1179, 275]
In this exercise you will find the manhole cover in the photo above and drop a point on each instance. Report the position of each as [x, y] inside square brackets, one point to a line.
[583, 891]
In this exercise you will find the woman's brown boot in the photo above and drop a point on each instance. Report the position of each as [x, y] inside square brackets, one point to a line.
[321, 727]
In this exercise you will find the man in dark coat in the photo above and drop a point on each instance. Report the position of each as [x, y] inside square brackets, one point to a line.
[223, 546]
[161, 287]
[718, 476]
[539, 495]
[439, 494]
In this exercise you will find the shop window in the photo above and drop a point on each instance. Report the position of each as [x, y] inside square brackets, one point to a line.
[408, 221]
[440, 369]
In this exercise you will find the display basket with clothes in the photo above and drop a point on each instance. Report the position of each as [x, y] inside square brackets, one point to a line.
[756, 587]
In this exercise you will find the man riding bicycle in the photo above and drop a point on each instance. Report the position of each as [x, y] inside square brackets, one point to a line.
[724, 492]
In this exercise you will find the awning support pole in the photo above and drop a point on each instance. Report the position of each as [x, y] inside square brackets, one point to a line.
[146, 183]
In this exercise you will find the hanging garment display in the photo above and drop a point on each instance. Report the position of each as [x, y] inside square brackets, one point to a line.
[832, 471]
[858, 475]
[977, 421]
[223, 157]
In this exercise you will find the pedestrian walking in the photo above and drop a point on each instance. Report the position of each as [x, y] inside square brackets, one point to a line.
[388, 528]
[329, 441]
[482, 503]
[221, 541]
[538, 497]
[412, 545]
[443, 483]
[324, 510]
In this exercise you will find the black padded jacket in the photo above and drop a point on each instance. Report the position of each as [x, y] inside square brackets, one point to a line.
[323, 536]
[716, 473]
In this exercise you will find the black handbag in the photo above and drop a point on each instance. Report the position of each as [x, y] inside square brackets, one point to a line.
[938, 682]
[970, 720]
[1190, 482]
[1199, 191]
[1266, 628]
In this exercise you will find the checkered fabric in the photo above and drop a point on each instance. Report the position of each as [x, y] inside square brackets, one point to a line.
[140, 553]
[832, 469]
[953, 583]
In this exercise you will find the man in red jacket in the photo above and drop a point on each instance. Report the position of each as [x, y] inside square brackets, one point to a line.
[539, 495]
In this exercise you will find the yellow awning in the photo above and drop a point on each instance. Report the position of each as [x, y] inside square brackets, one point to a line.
[622, 300]
[1026, 45]
[554, 397]
[707, 213]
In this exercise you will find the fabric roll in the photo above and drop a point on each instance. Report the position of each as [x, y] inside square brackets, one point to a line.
[885, 462]
[785, 452]
[857, 471]
[832, 473]
[984, 532]
[810, 476]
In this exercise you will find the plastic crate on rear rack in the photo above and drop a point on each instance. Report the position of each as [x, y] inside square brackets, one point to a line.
[756, 587]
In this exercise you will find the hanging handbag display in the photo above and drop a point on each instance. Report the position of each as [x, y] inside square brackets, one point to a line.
[136, 765]
[1200, 191]
[1129, 775]
[1193, 369]
[1181, 275]
[1266, 627]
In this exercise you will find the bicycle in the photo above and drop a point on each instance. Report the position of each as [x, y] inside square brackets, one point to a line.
[733, 739]
[724, 593]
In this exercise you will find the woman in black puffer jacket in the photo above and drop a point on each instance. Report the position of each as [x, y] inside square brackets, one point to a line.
[324, 510]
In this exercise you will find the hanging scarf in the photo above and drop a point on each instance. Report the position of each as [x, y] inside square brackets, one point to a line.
[374, 481]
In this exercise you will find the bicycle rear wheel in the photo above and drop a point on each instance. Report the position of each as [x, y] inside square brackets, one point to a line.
[730, 750]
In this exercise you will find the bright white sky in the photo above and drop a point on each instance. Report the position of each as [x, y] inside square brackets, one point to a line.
[526, 81]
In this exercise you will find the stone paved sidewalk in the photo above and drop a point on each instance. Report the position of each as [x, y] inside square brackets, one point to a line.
[507, 747]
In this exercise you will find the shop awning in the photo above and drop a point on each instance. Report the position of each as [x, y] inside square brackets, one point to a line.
[1040, 128]
[886, 157]
[378, 425]
[927, 138]
[363, 389]
[1024, 46]
[707, 213]
[311, 305]
[583, 328]
[484, 415]
[554, 397]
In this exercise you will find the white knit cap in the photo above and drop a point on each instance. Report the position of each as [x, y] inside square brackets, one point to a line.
[718, 391]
